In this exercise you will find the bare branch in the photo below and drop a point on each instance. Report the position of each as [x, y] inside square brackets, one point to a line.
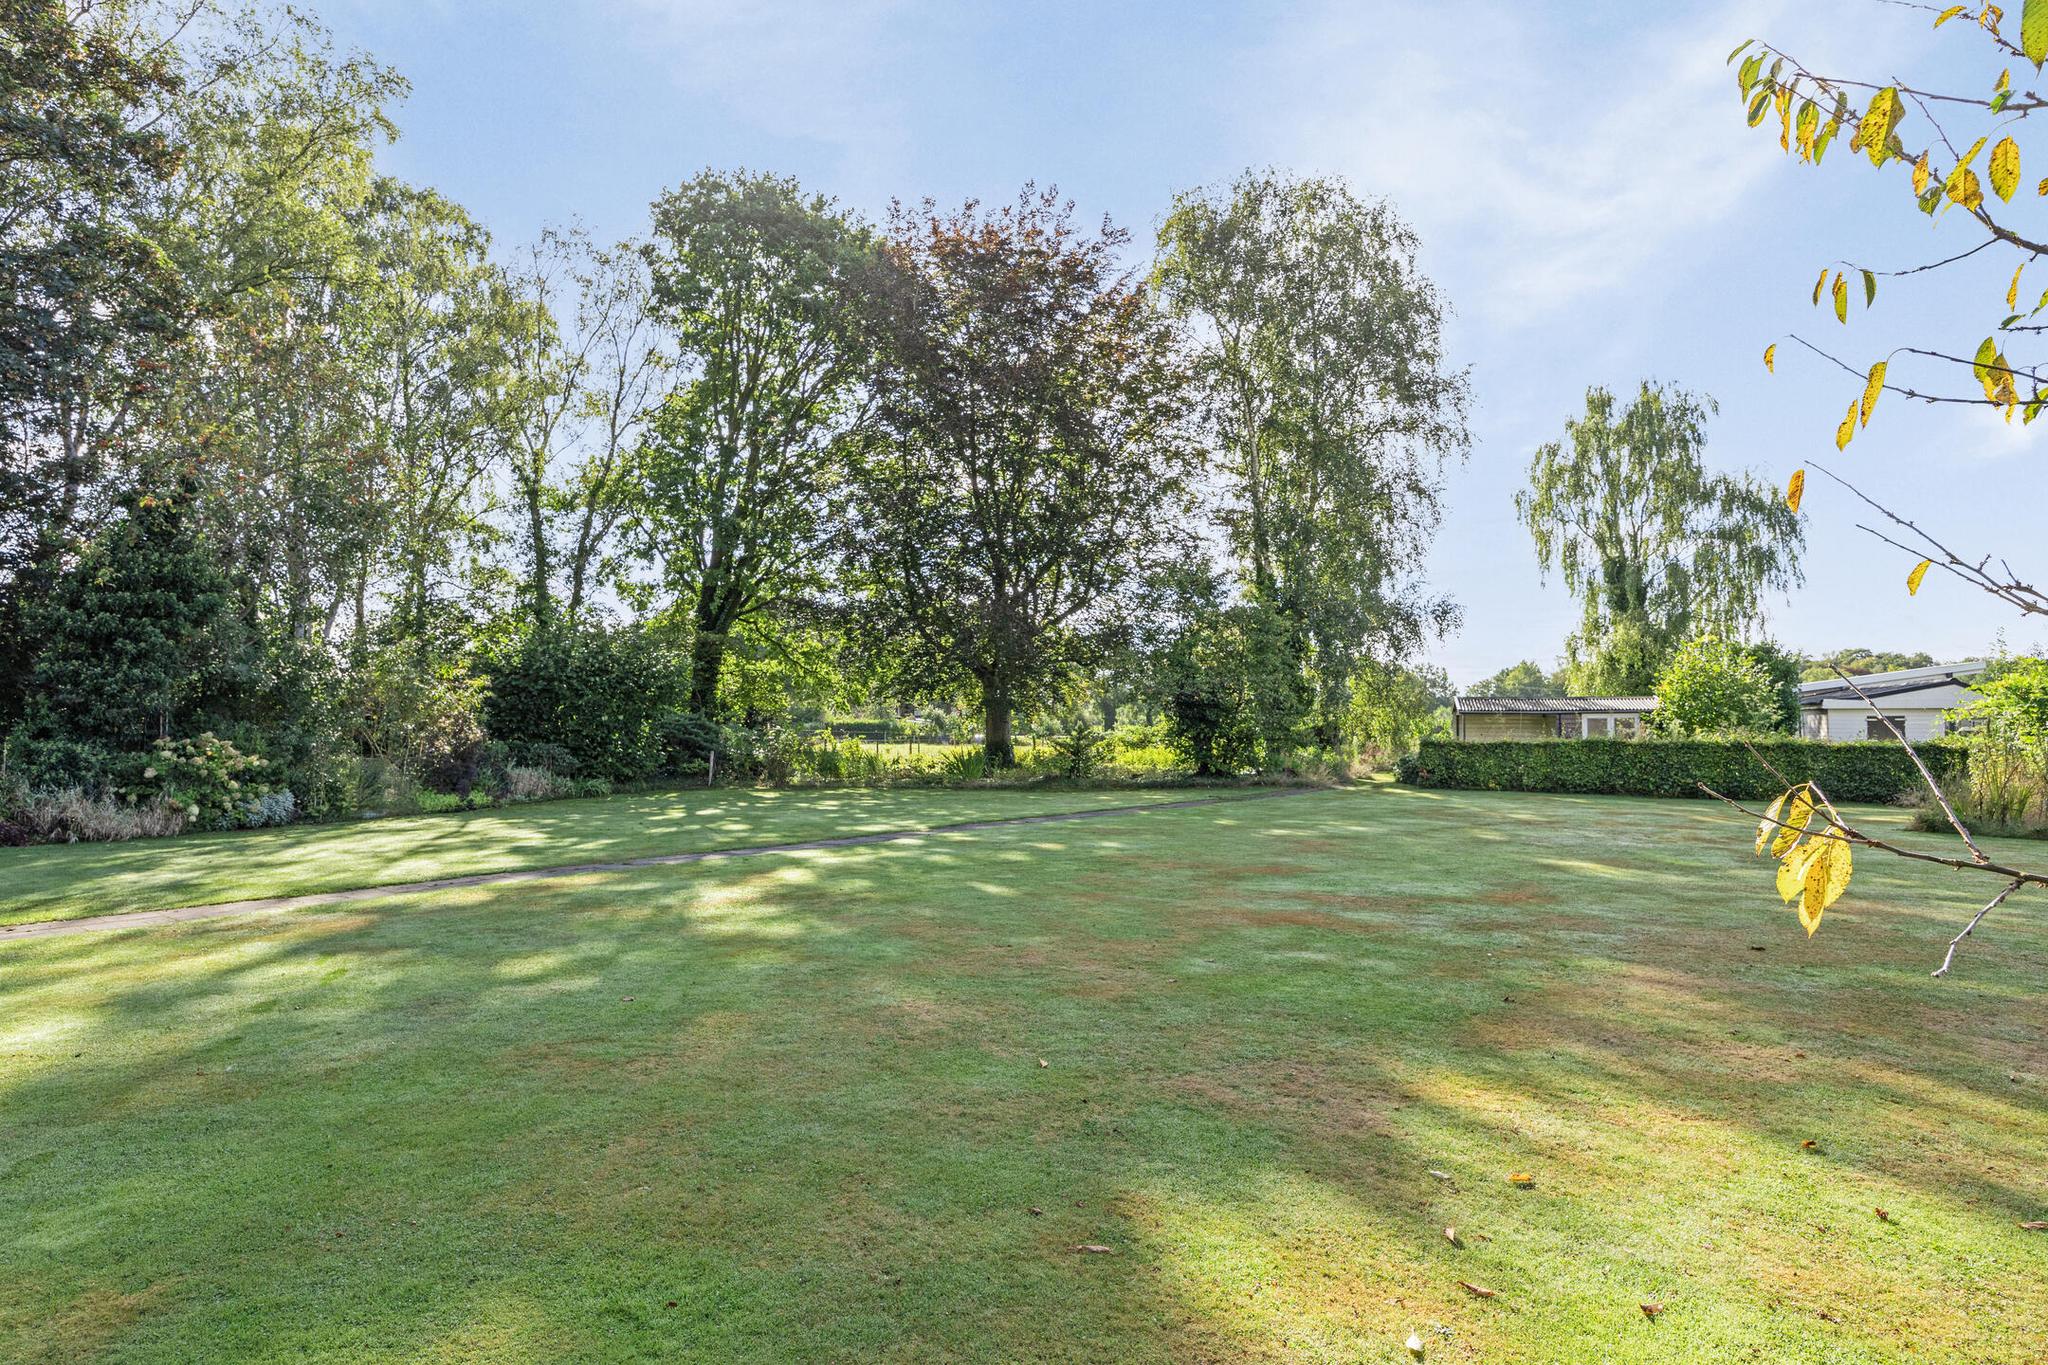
[2011, 590]
[1946, 809]
[1948, 958]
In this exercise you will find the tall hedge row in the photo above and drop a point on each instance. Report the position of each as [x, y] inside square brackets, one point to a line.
[1875, 770]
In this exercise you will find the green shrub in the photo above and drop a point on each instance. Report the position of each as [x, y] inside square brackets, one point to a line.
[1865, 771]
[969, 765]
[1080, 752]
[207, 778]
[603, 695]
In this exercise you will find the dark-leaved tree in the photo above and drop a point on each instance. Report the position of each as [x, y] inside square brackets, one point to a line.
[1028, 465]
[137, 639]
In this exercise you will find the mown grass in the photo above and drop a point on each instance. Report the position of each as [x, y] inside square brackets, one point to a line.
[67, 881]
[793, 1108]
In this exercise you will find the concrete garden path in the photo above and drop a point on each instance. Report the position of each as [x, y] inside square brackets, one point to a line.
[143, 919]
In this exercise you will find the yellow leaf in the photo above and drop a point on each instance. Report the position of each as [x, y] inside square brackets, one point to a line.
[1822, 282]
[1847, 430]
[1963, 187]
[1841, 298]
[1872, 387]
[2012, 293]
[1987, 351]
[1796, 489]
[1768, 826]
[1951, 12]
[1770, 354]
[1796, 817]
[1792, 870]
[2005, 168]
[2034, 32]
[1920, 175]
[1913, 578]
[1880, 118]
[1827, 877]
[2042, 188]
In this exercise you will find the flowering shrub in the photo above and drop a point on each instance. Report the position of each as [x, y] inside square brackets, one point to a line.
[207, 779]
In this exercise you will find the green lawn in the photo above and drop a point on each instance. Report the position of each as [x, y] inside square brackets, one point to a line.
[793, 1108]
[65, 881]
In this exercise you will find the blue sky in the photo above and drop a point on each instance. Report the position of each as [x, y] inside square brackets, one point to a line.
[1588, 196]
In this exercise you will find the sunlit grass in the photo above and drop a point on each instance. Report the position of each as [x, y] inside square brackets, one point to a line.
[793, 1109]
[71, 880]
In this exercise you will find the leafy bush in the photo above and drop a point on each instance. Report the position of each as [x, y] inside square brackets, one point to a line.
[207, 778]
[590, 786]
[603, 695]
[36, 759]
[14, 835]
[1864, 771]
[327, 783]
[1713, 687]
[422, 716]
[385, 788]
[1080, 752]
[272, 808]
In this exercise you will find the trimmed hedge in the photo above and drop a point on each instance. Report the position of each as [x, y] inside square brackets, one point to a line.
[1873, 770]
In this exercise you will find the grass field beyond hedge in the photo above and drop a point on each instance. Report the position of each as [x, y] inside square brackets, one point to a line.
[865, 1104]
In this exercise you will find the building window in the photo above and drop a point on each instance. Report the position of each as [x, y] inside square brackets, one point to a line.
[1595, 727]
[1875, 727]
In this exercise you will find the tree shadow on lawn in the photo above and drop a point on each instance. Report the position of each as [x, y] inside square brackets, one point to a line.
[819, 1125]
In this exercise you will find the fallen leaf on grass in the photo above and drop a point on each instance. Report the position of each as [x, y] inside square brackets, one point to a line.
[1441, 1175]
[1451, 1235]
[1809, 1144]
[1415, 1344]
[1826, 1316]
[1651, 1310]
[1478, 1291]
[1521, 1178]
[1036, 1212]
[2036, 1225]
[1093, 1249]
[1883, 1216]
[1043, 1062]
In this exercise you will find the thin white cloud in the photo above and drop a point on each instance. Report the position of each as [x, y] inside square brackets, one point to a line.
[1552, 168]
[830, 71]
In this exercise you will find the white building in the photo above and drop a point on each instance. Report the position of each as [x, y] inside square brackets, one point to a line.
[1917, 700]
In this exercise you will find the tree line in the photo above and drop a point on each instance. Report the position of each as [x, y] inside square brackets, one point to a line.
[295, 457]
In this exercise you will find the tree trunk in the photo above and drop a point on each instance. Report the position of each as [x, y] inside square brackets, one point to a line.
[996, 742]
[707, 662]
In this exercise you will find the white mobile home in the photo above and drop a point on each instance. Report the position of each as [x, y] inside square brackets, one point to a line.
[1917, 700]
[1480, 718]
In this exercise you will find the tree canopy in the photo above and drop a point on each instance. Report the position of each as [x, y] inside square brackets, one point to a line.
[1657, 546]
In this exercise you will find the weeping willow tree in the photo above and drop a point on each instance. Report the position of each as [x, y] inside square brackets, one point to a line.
[1657, 547]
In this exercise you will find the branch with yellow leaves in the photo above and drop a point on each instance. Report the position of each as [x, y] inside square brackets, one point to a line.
[2005, 585]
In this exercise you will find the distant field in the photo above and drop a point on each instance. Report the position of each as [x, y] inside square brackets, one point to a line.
[878, 1103]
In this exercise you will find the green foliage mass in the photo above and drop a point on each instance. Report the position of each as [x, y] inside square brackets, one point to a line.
[136, 640]
[1657, 547]
[601, 693]
[1712, 687]
[1864, 771]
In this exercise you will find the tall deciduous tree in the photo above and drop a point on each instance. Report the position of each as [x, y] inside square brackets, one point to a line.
[1657, 547]
[744, 459]
[1029, 464]
[584, 368]
[87, 302]
[1331, 404]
